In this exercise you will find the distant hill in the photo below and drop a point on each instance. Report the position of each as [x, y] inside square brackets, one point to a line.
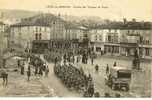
[14, 16]
[7, 14]
[17, 14]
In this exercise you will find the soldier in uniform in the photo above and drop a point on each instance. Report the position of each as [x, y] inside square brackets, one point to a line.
[107, 69]
[96, 68]
[46, 71]
[56, 60]
[28, 73]
[22, 69]
[91, 90]
[40, 71]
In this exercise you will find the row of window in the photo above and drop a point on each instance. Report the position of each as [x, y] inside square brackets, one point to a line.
[109, 30]
[38, 36]
[147, 51]
[115, 49]
[100, 37]
[112, 38]
[144, 41]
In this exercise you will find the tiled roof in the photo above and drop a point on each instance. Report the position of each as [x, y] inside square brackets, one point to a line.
[70, 25]
[128, 25]
[48, 19]
[38, 20]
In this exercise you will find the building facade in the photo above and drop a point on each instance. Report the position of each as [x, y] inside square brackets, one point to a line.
[3, 41]
[136, 39]
[45, 30]
[122, 40]
[22, 36]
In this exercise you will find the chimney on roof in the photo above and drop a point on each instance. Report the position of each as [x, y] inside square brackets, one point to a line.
[125, 20]
[133, 20]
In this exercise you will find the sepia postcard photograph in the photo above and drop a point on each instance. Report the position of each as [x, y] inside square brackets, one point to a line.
[76, 48]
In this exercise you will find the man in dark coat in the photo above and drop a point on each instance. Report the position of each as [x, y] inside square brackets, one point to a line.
[28, 73]
[107, 69]
[56, 60]
[36, 70]
[18, 63]
[22, 70]
[91, 90]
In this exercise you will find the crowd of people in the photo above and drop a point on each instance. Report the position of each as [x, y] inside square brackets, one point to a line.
[50, 56]
[40, 68]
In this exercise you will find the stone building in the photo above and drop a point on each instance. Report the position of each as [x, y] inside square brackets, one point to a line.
[39, 27]
[3, 43]
[122, 38]
[44, 31]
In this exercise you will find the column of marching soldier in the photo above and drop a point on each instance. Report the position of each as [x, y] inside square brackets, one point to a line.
[74, 78]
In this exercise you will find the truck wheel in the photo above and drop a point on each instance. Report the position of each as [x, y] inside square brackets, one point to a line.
[127, 88]
[113, 86]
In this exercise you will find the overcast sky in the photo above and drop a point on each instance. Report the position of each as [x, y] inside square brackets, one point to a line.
[117, 9]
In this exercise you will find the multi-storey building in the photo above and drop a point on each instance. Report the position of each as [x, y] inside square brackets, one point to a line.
[122, 39]
[45, 31]
[22, 35]
[3, 40]
[1, 44]
[41, 27]
[136, 39]
[97, 39]
[105, 39]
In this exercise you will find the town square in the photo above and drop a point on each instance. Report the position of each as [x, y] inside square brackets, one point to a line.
[43, 54]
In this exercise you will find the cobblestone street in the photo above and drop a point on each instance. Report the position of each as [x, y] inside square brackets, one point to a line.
[140, 83]
[19, 86]
[138, 87]
[52, 86]
[43, 86]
